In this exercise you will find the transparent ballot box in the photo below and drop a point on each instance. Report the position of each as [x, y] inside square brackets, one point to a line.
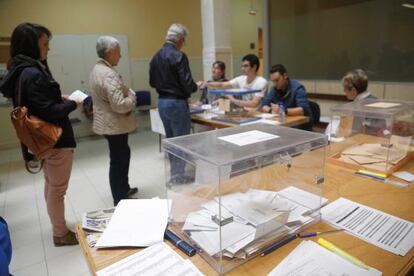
[374, 135]
[229, 112]
[237, 191]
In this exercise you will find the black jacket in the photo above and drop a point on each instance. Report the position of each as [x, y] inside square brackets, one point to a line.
[170, 73]
[41, 95]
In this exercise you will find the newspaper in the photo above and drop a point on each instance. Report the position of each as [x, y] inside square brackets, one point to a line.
[92, 238]
[97, 220]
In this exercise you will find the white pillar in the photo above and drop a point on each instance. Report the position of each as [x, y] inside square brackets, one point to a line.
[266, 34]
[215, 16]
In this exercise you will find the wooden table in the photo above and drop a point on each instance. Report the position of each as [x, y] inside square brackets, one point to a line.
[290, 121]
[339, 182]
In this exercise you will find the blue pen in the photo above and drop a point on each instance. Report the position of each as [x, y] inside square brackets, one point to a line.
[278, 245]
[181, 244]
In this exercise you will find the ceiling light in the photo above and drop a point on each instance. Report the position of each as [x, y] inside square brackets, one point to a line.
[408, 5]
[252, 10]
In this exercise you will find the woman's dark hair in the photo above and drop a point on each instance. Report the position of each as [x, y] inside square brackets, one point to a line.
[24, 40]
[222, 67]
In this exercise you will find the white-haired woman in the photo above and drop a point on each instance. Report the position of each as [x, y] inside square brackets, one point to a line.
[113, 116]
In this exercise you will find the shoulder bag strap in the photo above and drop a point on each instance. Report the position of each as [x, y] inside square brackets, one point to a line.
[31, 164]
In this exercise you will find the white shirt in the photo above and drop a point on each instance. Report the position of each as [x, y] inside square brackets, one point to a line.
[258, 83]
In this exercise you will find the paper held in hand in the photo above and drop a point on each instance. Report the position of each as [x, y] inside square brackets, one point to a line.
[77, 96]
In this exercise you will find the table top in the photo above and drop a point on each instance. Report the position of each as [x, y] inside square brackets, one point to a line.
[339, 182]
[290, 121]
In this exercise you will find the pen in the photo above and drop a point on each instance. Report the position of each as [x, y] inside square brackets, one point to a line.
[370, 176]
[313, 234]
[331, 247]
[278, 245]
[181, 244]
[382, 175]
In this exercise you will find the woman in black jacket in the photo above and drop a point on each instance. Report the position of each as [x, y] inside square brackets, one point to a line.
[42, 96]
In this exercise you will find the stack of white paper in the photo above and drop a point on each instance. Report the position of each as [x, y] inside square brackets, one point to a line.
[258, 215]
[136, 222]
[158, 259]
[378, 228]
[310, 259]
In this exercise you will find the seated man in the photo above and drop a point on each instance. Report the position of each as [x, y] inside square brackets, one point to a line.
[288, 92]
[249, 80]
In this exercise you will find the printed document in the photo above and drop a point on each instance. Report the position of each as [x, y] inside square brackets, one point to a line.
[310, 259]
[383, 230]
[158, 259]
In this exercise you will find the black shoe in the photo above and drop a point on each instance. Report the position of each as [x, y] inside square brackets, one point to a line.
[132, 191]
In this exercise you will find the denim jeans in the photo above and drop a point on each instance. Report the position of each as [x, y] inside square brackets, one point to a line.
[175, 116]
[119, 155]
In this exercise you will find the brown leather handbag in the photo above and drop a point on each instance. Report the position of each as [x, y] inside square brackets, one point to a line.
[39, 136]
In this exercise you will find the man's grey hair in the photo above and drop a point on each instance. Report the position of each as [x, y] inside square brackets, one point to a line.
[176, 32]
[104, 44]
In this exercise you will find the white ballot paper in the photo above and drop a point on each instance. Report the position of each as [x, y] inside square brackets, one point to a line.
[310, 259]
[137, 223]
[262, 121]
[248, 137]
[378, 228]
[257, 216]
[266, 115]
[407, 176]
[383, 105]
[158, 259]
[77, 96]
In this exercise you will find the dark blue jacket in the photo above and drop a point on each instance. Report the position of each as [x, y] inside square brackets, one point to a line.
[297, 98]
[5, 248]
[170, 73]
[41, 95]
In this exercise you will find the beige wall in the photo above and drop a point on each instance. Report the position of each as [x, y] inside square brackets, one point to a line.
[144, 22]
[244, 26]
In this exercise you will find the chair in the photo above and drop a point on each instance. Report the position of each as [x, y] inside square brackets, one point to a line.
[318, 126]
[143, 99]
[316, 111]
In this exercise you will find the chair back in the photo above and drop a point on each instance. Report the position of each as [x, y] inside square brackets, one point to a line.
[316, 111]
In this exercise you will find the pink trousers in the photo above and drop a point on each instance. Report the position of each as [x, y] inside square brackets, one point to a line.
[57, 167]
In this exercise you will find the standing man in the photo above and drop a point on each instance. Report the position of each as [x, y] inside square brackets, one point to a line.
[288, 92]
[170, 75]
[249, 80]
[113, 108]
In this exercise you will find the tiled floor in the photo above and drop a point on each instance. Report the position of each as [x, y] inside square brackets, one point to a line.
[22, 203]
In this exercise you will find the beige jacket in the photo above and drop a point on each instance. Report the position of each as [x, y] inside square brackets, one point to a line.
[113, 106]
